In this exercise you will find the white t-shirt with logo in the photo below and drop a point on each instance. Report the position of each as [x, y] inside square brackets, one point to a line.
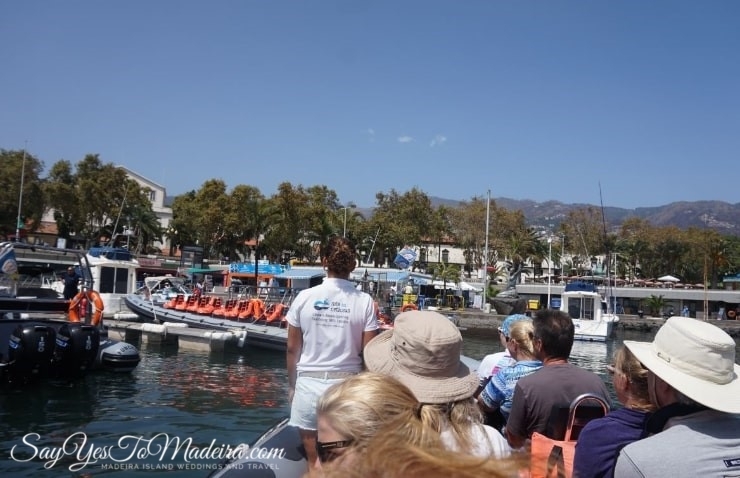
[332, 317]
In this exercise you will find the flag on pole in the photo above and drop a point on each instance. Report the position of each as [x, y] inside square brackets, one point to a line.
[8, 264]
[405, 258]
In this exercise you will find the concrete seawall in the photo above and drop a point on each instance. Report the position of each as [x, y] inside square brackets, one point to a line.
[481, 323]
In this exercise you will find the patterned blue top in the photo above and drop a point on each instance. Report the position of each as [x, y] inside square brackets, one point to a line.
[500, 390]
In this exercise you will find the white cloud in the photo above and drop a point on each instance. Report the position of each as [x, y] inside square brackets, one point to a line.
[438, 140]
[371, 134]
[405, 139]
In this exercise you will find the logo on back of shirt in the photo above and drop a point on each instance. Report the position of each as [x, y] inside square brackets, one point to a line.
[321, 304]
[732, 463]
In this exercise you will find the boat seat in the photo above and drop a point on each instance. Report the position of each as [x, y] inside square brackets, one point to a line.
[580, 411]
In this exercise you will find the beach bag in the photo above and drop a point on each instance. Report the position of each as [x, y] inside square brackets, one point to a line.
[551, 458]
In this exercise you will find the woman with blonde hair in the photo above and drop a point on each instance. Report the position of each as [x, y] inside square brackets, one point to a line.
[500, 389]
[390, 455]
[351, 413]
[601, 440]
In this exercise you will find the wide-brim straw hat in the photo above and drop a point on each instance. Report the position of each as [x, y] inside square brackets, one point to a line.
[423, 352]
[697, 359]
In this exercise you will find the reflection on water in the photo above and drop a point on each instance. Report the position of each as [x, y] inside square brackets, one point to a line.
[228, 399]
[205, 397]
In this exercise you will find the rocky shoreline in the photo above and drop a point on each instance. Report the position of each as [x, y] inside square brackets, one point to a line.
[481, 323]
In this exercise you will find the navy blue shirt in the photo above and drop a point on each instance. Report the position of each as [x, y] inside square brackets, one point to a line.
[601, 440]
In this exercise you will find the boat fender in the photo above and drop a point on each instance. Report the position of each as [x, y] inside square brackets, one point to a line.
[242, 339]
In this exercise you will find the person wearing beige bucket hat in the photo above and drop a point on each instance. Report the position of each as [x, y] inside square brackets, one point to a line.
[693, 378]
[423, 352]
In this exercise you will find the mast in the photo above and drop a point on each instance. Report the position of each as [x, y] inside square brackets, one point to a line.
[485, 253]
[611, 299]
[706, 297]
[20, 196]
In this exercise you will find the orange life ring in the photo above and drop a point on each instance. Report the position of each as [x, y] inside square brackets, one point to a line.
[407, 307]
[731, 314]
[74, 307]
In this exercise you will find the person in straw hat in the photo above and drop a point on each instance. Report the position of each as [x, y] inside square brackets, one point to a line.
[693, 380]
[423, 351]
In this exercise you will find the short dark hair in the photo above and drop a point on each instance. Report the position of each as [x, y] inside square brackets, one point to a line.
[340, 255]
[556, 331]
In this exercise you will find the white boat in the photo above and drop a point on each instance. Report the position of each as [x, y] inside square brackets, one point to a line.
[162, 289]
[113, 274]
[589, 311]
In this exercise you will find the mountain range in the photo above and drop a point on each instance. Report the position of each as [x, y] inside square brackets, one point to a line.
[720, 216]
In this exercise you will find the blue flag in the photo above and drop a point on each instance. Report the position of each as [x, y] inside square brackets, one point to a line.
[405, 258]
[8, 264]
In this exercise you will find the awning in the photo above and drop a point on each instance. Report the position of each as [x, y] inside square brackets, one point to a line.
[196, 270]
[301, 274]
[385, 275]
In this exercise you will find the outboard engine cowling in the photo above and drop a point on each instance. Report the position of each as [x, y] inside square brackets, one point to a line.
[118, 356]
[76, 350]
[30, 351]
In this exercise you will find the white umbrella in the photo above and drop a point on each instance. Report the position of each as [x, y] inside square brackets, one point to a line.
[669, 278]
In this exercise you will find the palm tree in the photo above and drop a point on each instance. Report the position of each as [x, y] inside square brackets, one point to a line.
[446, 272]
[655, 304]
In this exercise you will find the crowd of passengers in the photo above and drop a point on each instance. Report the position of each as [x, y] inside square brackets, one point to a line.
[403, 403]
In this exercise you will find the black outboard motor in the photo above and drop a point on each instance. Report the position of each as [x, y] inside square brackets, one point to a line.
[30, 351]
[76, 350]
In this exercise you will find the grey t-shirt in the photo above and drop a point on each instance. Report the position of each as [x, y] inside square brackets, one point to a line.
[553, 385]
[705, 444]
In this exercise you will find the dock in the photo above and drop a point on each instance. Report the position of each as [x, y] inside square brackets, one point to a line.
[184, 337]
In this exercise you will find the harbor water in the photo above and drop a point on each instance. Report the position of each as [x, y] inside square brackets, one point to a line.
[122, 425]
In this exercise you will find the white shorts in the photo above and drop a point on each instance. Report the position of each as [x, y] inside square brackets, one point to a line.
[308, 390]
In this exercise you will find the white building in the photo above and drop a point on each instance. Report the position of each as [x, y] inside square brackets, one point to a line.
[157, 195]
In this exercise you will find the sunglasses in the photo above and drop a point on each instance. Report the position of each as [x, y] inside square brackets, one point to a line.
[328, 450]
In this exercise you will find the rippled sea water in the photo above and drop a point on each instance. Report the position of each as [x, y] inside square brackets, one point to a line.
[205, 399]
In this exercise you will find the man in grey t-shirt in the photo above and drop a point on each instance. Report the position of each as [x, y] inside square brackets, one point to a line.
[556, 384]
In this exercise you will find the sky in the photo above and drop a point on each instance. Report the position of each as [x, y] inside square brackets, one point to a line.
[631, 102]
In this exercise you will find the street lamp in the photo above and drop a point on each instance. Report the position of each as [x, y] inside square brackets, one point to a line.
[549, 269]
[344, 224]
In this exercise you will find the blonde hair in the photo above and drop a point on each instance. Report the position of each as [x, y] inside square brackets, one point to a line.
[460, 417]
[392, 456]
[522, 332]
[359, 407]
[628, 365]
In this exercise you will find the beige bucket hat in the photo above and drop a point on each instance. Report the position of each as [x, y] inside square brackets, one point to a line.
[423, 352]
[697, 359]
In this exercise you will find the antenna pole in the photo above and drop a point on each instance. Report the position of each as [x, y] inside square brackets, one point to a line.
[20, 196]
